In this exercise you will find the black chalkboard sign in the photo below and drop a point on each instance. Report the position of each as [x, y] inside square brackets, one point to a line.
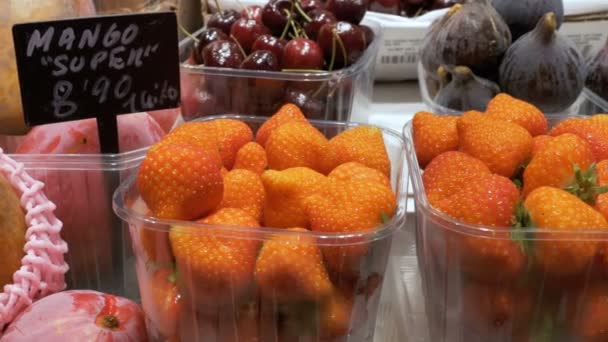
[80, 68]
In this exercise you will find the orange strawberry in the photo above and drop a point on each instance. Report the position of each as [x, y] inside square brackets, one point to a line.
[433, 135]
[354, 170]
[243, 189]
[449, 172]
[180, 181]
[166, 302]
[594, 130]
[196, 134]
[251, 156]
[501, 145]
[155, 244]
[601, 202]
[290, 268]
[285, 194]
[554, 164]
[488, 200]
[562, 250]
[287, 113]
[508, 108]
[335, 316]
[296, 144]
[363, 144]
[540, 141]
[231, 135]
[349, 207]
[215, 268]
[587, 312]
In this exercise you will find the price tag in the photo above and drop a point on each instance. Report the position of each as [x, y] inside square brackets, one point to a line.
[97, 67]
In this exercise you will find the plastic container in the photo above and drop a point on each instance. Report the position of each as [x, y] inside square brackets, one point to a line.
[324, 95]
[212, 318]
[590, 103]
[527, 306]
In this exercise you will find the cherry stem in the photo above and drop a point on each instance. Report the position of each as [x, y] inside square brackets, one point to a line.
[333, 53]
[295, 29]
[183, 29]
[341, 43]
[239, 45]
[238, 2]
[219, 8]
[302, 12]
[286, 28]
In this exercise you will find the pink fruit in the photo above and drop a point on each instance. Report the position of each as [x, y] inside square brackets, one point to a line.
[166, 118]
[79, 316]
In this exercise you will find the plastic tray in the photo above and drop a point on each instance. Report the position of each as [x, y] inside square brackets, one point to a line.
[335, 95]
[372, 265]
[445, 304]
[590, 103]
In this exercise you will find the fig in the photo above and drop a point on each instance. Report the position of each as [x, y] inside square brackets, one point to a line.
[522, 15]
[543, 68]
[475, 36]
[597, 71]
[466, 91]
[428, 51]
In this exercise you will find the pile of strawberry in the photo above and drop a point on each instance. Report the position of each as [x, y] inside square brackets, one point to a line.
[289, 177]
[506, 169]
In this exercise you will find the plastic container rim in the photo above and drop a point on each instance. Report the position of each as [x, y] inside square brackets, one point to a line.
[474, 229]
[596, 99]
[322, 238]
[368, 56]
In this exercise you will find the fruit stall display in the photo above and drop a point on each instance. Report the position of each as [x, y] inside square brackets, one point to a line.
[476, 50]
[283, 234]
[511, 223]
[315, 55]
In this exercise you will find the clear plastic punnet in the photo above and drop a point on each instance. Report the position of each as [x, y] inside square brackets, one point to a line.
[266, 317]
[591, 103]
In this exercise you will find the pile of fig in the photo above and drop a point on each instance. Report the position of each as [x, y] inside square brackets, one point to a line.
[597, 74]
[509, 46]
[408, 8]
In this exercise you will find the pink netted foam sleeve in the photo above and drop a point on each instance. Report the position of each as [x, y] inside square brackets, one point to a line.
[43, 267]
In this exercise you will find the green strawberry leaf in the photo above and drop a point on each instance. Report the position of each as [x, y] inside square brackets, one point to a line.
[521, 222]
[518, 176]
[384, 218]
[585, 185]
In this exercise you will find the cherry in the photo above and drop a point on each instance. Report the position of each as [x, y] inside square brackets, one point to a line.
[253, 12]
[223, 20]
[369, 34]
[302, 53]
[261, 60]
[270, 43]
[313, 108]
[275, 15]
[319, 18]
[439, 4]
[246, 31]
[207, 36]
[386, 6]
[350, 40]
[311, 5]
[222, 53]
[347, 10]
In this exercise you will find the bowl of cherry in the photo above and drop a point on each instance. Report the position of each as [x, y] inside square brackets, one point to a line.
[314, 54]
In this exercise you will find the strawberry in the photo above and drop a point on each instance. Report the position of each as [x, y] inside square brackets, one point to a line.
[290, 268]
[488, 200]
[363, 144]
[195, 134]
[216, 268]
[354, 170]
[243, 189]
[501, 145]
[349, 207]
[155, 244]
[335, 316]
[287, 113]
[296, 144]
[587, 312]
[554, 164]
[562, 250]
[285, 194]
[433, 135]
[601, 202]
[540, 141]
[251, 156]
[166, 302]
[505, 107]
[594, 130]
[180, 182]
[231, 135]
[449, 172]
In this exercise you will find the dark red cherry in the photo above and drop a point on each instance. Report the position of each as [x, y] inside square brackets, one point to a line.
[385, 6]
[223, 20]
[439, 4]
[311, 5]
[302, 53]
[261, 60]
[222, 53]
[246, 32]
[313, 108]
[369, 34]
[253, 12]
[352, 38]
[319, 18]
[347, 10]
[206, 37]
[270, 43]
[275, 15]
